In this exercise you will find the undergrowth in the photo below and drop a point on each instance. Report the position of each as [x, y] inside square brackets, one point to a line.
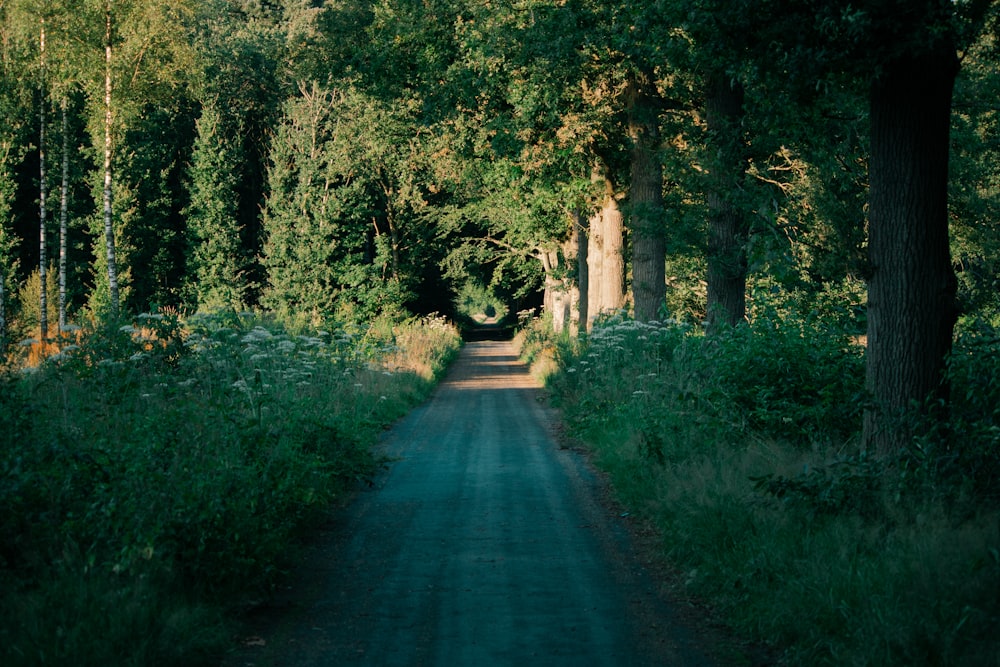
[155, 476]
[744, 450]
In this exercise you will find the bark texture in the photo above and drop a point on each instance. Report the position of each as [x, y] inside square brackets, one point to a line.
[582, 270]
[911, 291]
[646, 195]
[109, 229]
[605, 251]
[727, 222]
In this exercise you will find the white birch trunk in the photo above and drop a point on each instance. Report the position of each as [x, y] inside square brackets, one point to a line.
[63, 215]
[109, 230]
[43, 305]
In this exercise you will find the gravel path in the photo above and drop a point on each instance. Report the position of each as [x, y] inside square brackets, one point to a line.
[485, 543]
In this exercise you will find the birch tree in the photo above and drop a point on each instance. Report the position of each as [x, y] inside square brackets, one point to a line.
[43, 100]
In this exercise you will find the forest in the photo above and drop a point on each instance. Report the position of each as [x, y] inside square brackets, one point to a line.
[752, 245]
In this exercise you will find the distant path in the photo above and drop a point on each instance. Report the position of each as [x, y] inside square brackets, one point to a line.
[484, 544]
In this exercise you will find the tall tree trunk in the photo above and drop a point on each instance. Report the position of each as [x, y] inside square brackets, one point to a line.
[552, 286]
[911, 291]
[582, 270]
[63, 214]
[605, 251]
[43, 312]
[613, 265]
[109, 229]
[595, 264]
[646, 194]
[727, 222]
[571, 252]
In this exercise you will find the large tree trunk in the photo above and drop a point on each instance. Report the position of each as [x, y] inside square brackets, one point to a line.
[727, 222]
[911, 291]
[646, 194]
[613, 265]
[605, 252]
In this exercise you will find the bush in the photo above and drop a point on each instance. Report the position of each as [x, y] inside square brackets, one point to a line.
[167, 455]
[742, 449]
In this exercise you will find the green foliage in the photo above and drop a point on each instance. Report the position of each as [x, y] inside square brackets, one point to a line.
[476, 300]
[30, 303]
[156, 475]
[215, 260]
[343, 203]
[743, 450]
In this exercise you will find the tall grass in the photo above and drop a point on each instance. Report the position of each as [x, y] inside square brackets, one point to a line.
[155, 476]
[744, 451]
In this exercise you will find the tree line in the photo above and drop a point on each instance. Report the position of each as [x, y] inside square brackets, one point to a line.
[338, 160]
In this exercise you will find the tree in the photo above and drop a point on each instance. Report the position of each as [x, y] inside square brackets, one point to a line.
[646, 198]
[216, 264]
[344, 186]
[43, 322]
[912, 286]
[134, 58]
[908, 54]
[110, 250]
[728, 224]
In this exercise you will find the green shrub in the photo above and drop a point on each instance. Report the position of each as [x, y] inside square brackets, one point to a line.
[743, 449]
[165, 455]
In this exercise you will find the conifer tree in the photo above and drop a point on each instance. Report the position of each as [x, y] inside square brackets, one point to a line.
[215, 260]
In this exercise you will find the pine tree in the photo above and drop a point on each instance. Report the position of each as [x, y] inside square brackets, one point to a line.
[215, 261]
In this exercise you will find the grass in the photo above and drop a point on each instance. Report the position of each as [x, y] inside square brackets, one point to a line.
[155, 475]
[743, 452]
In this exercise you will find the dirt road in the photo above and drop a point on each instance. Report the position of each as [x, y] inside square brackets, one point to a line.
[484, 543]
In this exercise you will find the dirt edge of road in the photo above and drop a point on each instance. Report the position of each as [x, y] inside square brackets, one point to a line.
[707, 629]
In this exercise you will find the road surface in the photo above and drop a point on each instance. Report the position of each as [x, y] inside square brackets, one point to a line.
[484, 543]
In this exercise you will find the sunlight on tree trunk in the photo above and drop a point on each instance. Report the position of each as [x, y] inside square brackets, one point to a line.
[605, 251]
[613, 264]
[571, 251]
[109, 229]
[582, 233]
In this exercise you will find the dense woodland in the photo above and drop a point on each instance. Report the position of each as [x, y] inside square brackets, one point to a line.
[713, 164]
[332, 161]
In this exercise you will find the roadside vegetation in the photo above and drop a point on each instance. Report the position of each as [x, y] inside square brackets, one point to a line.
[156, 472]
[744, 451]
